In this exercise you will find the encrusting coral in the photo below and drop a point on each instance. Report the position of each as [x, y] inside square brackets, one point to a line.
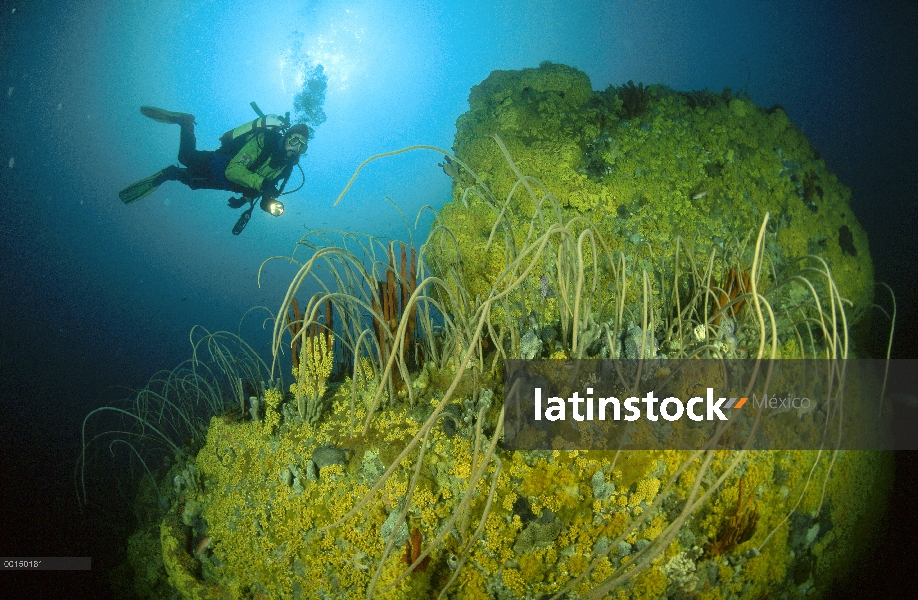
[706, 172]
[314, 368]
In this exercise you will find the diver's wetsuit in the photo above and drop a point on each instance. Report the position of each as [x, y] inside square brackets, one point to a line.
[205, 168]
[261, 158]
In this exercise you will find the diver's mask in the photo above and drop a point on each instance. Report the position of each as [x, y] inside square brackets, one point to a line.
[297, 143]
[273, 206]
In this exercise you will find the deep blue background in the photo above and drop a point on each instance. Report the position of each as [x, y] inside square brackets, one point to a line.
[96, 294]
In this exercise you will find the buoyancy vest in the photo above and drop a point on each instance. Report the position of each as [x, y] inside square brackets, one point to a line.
[233, 140]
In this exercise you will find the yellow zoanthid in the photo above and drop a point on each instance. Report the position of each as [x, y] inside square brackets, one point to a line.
[315, 365]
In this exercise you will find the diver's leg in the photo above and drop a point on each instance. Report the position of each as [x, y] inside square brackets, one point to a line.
[144, 187]
[189, 177]
[187, 145]
[197, 176]
[195, 180]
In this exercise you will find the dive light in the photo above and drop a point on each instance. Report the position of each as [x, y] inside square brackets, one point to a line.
[273, 206]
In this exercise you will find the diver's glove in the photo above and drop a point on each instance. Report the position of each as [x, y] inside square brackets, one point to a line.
[269, 190]
[234, 202]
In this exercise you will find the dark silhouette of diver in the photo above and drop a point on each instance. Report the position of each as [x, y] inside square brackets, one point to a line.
[252, 160]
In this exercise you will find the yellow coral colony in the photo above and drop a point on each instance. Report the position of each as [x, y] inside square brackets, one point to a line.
[273, 399]
[315, 366]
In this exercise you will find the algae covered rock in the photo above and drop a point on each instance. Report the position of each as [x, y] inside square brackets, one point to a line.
[532, 103]
[697, 165]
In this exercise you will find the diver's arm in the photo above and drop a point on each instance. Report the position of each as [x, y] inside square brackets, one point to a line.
[237, 171]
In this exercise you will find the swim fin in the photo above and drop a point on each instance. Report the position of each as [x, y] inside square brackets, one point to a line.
[167, 116]
[144, 187]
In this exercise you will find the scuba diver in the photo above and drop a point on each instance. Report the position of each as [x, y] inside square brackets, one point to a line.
[254, 159]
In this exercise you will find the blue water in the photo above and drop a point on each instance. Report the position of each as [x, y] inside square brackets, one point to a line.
[96, 293]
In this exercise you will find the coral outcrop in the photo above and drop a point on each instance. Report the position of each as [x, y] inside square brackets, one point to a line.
[648, 165]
